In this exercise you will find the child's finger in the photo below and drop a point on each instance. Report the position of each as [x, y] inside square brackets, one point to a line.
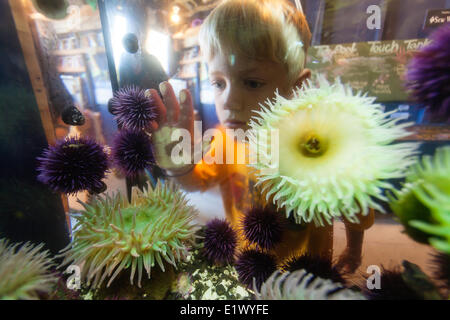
[186, 118]
[161, 109]
[170, 101]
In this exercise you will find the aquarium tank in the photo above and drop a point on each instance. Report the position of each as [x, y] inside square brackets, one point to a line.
[232, 150]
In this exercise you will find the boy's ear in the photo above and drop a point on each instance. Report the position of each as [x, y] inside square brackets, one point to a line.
[305, 74]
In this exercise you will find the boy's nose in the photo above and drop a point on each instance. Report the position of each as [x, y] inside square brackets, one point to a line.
[233, 100]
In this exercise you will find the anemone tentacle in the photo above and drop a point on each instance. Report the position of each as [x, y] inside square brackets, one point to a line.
[301, 285]
[335, 150]
[112, 235]
[24, 271]
[423, 205]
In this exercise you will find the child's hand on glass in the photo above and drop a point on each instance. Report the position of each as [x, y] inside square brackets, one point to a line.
[172, 115]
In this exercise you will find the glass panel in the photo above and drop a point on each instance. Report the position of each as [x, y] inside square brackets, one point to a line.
[74, 64]
[149, 42]
[84, 51]
[29, 210]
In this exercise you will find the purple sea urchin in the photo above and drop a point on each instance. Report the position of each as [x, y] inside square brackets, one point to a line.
[133, 109]
[132, 151]
[254, 267]
[113, 235]
[73, 165]
[428, 74]
[334, 152]
[314, 264]
[411, 283]
[392, 287]
[220, 241]
[263, 226]
[24, 271]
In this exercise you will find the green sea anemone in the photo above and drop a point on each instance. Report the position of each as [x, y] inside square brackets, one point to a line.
[24, 271]
[334, 149]
[112, 234]
[301, 285]
[407, 207]
[423, 206]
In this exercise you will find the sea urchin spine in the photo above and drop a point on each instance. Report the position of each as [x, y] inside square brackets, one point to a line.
[428, 74]
[73, 165]
[220, 241]
[317, 265]
[254, 267]
[133, 109]
[263, 226]
[132, 152]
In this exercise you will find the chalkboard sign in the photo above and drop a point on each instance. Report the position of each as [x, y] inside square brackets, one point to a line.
[375, 67]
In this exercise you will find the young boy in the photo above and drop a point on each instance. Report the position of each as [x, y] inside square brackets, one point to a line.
[252, 48]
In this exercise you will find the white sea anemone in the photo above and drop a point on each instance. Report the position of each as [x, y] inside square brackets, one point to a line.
[335, 152]
[301, 285]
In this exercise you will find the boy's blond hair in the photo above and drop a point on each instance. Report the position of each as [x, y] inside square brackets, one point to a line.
[259, 29]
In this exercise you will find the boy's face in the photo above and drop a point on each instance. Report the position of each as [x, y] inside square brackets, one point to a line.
[240, 84]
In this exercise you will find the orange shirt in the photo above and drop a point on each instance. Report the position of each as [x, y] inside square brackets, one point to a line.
[237, 185]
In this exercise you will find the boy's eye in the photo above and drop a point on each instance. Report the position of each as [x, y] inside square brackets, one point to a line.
[217, 84]
[253, 84]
